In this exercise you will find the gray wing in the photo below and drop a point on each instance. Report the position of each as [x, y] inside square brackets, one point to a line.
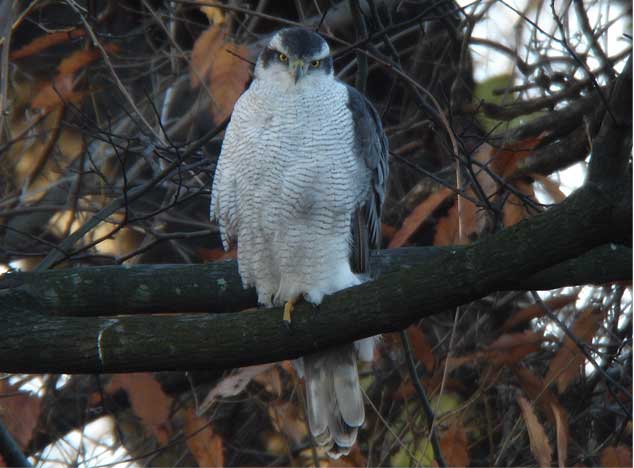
[371, 145]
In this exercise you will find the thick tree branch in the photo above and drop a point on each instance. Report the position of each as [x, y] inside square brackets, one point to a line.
[599, 213]
[216, 287]
[612, 150]
[589, 218]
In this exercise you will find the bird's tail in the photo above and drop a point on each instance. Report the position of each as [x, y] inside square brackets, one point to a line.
[334, 399]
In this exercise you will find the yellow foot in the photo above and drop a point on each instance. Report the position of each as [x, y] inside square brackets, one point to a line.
[288, 310]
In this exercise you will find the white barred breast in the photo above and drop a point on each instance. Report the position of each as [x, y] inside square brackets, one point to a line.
[286, 186]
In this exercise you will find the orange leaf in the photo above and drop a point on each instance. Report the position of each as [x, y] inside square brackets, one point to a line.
[19, 411]
[421, 347]
[205, 445]
[418, 216]
[473, 221]
[561, 424]
[536, 310]
[536, 434]
[566, 364]
[504, 160]
[448, 227]
[62, 89]
[217, 63]
[217, 255]
[214, 14]
[147, 399]
[44, 42]
[616, 456]
[453, 445]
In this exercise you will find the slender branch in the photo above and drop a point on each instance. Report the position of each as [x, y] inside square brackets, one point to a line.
[10, 450]
[582, 347]
[429, 412]
[55, 256]
[610, 158]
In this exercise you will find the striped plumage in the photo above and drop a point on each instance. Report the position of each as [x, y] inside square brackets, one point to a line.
[298, 189]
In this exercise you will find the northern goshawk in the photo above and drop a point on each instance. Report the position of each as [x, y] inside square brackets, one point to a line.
[298, 189]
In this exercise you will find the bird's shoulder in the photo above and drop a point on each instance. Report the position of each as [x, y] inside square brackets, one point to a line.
[360, 106]
[369, 135]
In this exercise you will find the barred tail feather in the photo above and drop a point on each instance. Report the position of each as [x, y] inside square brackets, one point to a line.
[334, 399]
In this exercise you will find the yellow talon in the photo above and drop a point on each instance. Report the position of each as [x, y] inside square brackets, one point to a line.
[288, 310]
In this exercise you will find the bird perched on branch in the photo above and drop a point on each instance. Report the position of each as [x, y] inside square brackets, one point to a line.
[299, 188]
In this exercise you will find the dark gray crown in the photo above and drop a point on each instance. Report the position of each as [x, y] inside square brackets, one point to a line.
[300, 42]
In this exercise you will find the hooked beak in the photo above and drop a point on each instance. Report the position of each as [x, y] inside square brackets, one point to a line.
[298, 69]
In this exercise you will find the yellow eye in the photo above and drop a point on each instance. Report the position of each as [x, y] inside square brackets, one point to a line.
[283, 58]
[315, 63]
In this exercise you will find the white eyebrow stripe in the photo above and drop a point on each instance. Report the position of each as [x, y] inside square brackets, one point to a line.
[276, 43]
[325, 51]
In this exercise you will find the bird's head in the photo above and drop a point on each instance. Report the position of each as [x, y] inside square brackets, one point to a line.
[294, 56]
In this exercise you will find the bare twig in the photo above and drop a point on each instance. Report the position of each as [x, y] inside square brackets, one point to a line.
[420, 391]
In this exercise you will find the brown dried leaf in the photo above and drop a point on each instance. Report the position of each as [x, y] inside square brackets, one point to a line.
[421, 347]
[561, 424]
[536, 434]
[217, 63]
[565, 366]
[271, 381]
[217, 254]
[511, 348]
[534, 387]
[388, 232]
[453, 445]
[205, 445]
[286, 418]
[514, 210]
[19, 411]
[275, 443]
[233, 384]
[62, 89]
[356, 457]
[431, 385]
[504, 160]
[44, 42]
[536, 310]
[488, 184]
[203, 54]
[417, 217]
[454, 362]
[616, 456]
[214, 14]
[147, 399]
[461, 226]
[448, 228]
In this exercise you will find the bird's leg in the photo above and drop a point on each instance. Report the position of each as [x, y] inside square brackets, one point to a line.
[288, 309]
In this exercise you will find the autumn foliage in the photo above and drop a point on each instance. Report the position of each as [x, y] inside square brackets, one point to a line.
[102, 100]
